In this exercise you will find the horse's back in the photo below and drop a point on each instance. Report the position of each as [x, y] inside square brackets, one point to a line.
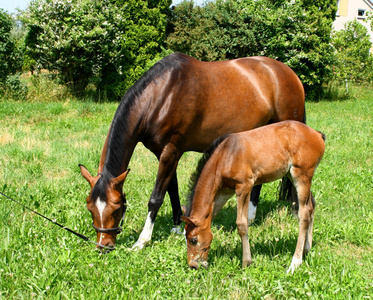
[287, 138]
[216, 98]
[267, 153]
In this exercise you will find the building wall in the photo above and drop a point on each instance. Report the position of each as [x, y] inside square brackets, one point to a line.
[348, 10]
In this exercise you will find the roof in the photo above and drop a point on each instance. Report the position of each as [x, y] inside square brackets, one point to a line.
[370, 3]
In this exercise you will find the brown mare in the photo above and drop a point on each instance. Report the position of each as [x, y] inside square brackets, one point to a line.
[240, 162]
[182, 104]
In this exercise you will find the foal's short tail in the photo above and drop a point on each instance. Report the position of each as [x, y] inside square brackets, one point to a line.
[285, 187]
[322, 135]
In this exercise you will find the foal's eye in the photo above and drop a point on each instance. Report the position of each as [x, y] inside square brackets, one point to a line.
[193, 241]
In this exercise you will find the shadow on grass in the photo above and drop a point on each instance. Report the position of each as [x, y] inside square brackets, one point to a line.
[225, 221]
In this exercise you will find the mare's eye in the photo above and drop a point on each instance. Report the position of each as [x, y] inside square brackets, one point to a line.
[193, 241]
[116, 212]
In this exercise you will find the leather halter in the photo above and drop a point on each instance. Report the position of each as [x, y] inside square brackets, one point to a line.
[106, 230]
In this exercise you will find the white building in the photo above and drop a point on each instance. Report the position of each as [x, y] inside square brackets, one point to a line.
[349, 10]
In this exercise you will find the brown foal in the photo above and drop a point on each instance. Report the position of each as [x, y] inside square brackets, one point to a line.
[246, 159]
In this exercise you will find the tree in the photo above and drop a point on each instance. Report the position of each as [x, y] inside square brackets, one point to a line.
[143, 31]
[105, 42]
[353, 58]
[217, 31]
[10, 56]
[296, 33]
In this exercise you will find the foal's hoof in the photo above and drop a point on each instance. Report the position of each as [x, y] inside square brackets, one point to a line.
[295, 263]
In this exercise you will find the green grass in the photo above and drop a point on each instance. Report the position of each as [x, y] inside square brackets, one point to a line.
[41, 144]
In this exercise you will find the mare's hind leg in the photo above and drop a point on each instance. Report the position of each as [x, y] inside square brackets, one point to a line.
[254, 200]
[243, 199]
[306, 208]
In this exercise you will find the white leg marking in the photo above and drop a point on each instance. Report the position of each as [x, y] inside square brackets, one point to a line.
[101, 207]
[295, 263]
[145, 235]
[252, 212]
[178, 229]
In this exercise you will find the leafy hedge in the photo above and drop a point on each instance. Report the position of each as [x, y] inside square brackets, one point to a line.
[354, 62]
[296, 33]
[105, 42]
[111, 43]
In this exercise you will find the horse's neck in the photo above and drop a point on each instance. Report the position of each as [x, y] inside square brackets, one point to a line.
[204, 197]
[123, 136]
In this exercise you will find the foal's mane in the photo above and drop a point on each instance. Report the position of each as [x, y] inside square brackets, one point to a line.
[193, 180]
[120, 133]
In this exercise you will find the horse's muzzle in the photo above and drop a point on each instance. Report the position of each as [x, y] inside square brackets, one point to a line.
[194, 264]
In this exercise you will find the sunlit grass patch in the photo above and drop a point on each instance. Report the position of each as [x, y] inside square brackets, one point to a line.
[41, 144]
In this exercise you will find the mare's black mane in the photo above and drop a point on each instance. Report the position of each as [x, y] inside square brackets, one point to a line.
[120, 136]
[193, 180]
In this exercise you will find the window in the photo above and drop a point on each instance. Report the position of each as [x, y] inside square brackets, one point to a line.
[361, 13]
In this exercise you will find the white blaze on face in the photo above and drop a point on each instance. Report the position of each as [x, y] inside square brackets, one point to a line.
[101, 207]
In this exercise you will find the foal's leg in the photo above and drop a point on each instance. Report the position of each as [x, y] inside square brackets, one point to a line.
[243, 199]
[308, 243]
[305, 218]
[254, 200]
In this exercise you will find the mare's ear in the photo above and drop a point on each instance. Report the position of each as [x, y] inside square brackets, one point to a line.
[85, 173]
[189, 221]
[120, 179]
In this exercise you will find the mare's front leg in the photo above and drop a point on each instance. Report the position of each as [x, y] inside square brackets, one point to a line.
[173, 192]
[166, 171]
[243, 199]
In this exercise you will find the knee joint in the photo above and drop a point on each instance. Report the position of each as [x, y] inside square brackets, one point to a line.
[154, 204]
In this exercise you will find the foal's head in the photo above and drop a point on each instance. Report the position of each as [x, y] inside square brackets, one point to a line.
[198, 236]
[107, 204]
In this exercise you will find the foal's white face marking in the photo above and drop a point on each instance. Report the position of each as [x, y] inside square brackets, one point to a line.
[101, 207]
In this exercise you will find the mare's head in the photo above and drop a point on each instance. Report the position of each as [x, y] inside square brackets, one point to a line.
[199, 237]
[107, 204]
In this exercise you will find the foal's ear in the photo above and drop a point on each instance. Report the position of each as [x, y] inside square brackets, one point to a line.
[120, 179]
[85, 173]
[189, 221]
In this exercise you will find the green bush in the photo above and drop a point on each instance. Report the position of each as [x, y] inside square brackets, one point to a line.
[10, 55]
[354, 61]
[105, 42]
[296, 33]
[14, 87]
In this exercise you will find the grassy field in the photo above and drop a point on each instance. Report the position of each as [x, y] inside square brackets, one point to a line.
[41, 145]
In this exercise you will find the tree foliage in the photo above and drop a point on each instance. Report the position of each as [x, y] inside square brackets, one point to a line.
[296, 33]
[10, 54]
[353, 58]
[106, 42]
